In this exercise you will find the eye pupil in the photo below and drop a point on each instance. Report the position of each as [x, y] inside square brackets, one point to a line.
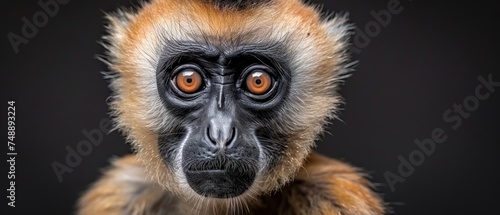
[188, 81]
[258, 82]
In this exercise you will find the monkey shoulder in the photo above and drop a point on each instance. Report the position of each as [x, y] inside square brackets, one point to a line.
[124, 189]
[328, 186]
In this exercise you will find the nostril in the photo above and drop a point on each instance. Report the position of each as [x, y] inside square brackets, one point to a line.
[231, 137]
[210, 136]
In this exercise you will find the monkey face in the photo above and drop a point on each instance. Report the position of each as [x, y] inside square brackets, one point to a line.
[223, 99]
[224, 103]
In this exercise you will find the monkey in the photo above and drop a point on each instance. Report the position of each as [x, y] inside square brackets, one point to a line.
[223, 102]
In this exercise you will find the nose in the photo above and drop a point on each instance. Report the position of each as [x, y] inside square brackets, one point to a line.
[221, 132]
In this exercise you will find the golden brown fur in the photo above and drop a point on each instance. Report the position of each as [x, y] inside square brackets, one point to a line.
[323, 186]
[302, 183]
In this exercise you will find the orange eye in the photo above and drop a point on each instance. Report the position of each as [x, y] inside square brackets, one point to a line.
[258, 82]
[188, 81]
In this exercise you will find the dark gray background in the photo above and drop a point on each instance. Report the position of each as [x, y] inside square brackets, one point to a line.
[417, 67]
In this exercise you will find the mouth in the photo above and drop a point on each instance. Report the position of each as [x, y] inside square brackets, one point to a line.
[217, 180]
[219, 183]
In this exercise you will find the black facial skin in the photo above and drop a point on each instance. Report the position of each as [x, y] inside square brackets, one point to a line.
[222, 126]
